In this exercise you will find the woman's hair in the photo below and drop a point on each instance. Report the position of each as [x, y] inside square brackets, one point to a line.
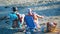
[14, 8]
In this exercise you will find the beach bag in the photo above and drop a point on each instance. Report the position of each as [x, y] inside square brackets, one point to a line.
[51, 26]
